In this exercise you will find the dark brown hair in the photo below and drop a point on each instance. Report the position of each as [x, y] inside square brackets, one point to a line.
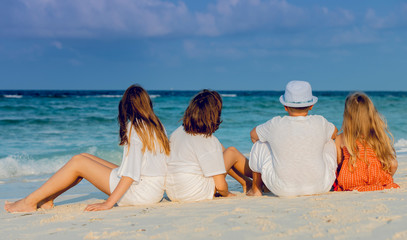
[203, 113]
[136, 108]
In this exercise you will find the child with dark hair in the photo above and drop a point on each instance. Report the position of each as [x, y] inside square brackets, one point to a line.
[198, 163]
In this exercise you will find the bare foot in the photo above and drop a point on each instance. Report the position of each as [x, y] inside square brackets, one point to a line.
[20, 206]
[46, 205]
[254, 193]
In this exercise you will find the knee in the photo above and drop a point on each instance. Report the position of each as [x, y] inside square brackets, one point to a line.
[77, 159]
[231, 150]
[84, 154]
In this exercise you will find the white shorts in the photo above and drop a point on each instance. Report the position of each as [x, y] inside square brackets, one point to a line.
[149, 190]
[187, 187]
[261, 161]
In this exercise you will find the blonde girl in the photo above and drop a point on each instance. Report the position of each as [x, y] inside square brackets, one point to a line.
[140, 178]
[366, 155]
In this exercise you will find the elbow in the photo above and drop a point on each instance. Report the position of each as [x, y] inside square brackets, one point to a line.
[393, 167]
[253, 135]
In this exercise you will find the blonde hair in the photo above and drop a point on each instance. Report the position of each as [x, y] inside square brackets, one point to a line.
[364, 124]
[136, 108]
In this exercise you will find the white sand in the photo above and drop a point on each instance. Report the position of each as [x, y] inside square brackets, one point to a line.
[335, 215]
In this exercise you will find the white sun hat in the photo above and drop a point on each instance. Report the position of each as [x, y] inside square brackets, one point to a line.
[298, 94]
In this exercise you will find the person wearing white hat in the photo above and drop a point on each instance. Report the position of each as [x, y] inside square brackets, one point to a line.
[294, 155]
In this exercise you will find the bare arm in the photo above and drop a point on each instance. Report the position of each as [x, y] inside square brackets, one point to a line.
[393, 167]
[334, 135]
[338, 143]
[253, 135]
[123, 185]
[222, 186]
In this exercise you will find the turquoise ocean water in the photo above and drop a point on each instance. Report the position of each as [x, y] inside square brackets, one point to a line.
[42, 130]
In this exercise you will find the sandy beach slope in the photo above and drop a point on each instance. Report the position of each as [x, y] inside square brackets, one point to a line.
[335, 215]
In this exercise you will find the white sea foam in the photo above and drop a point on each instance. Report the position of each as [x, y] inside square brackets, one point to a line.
[228, 95]
[13, 96]
[109, 96]
[23, 165]
[154, 95]
[401, 146]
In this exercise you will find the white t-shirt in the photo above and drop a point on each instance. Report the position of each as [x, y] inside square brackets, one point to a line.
[195, 154]
[135, 163]
[297, 145]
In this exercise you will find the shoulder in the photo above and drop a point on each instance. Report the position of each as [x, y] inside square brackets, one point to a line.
[274, 120]
[320, 120]
[132, 134]
[177, 132]
[339, 139]
[317, 118]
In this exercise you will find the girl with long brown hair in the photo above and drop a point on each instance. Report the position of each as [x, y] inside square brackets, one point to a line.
[198, 163]
[366, 155]
[140, 178]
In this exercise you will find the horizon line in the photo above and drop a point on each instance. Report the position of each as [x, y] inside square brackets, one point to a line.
[169, 90]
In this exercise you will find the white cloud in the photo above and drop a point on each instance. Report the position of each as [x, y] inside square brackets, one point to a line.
[287, 23]
[353, 36]
[57, 44]
[93, 18]
[152, 18]
[373, 20]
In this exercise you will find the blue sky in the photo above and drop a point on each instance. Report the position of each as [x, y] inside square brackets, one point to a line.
[189, 45]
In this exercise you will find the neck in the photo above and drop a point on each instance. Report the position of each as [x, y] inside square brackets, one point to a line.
[298, 114]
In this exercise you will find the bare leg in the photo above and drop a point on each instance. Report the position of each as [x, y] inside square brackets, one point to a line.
[80, 166]
[243, 180]
[48, 203]
[100, 160]
[237, 167]
[257, 185]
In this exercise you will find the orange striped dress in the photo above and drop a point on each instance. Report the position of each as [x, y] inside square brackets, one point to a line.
[364, 177]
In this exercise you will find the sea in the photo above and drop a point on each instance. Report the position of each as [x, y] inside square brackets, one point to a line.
[40, 130]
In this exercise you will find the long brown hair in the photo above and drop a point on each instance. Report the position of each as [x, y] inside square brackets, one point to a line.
[136, 108]
[363, 123]
[203, 113]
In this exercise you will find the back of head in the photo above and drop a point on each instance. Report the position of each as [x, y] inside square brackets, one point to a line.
[203, 115]
[136, 107]
[363, 123]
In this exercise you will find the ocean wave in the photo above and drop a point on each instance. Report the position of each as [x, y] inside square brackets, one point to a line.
[13, 121]
[18, 108]
[228, 95]
[401, 146]
[12, 96]
[24, 165]
[96, 119]
[154, 95]
[107, 96]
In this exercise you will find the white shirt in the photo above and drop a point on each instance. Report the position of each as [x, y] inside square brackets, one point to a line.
[195, 154]
[297, 145]
[135, 163]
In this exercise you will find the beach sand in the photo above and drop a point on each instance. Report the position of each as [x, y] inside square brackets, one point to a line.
[334, 215]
